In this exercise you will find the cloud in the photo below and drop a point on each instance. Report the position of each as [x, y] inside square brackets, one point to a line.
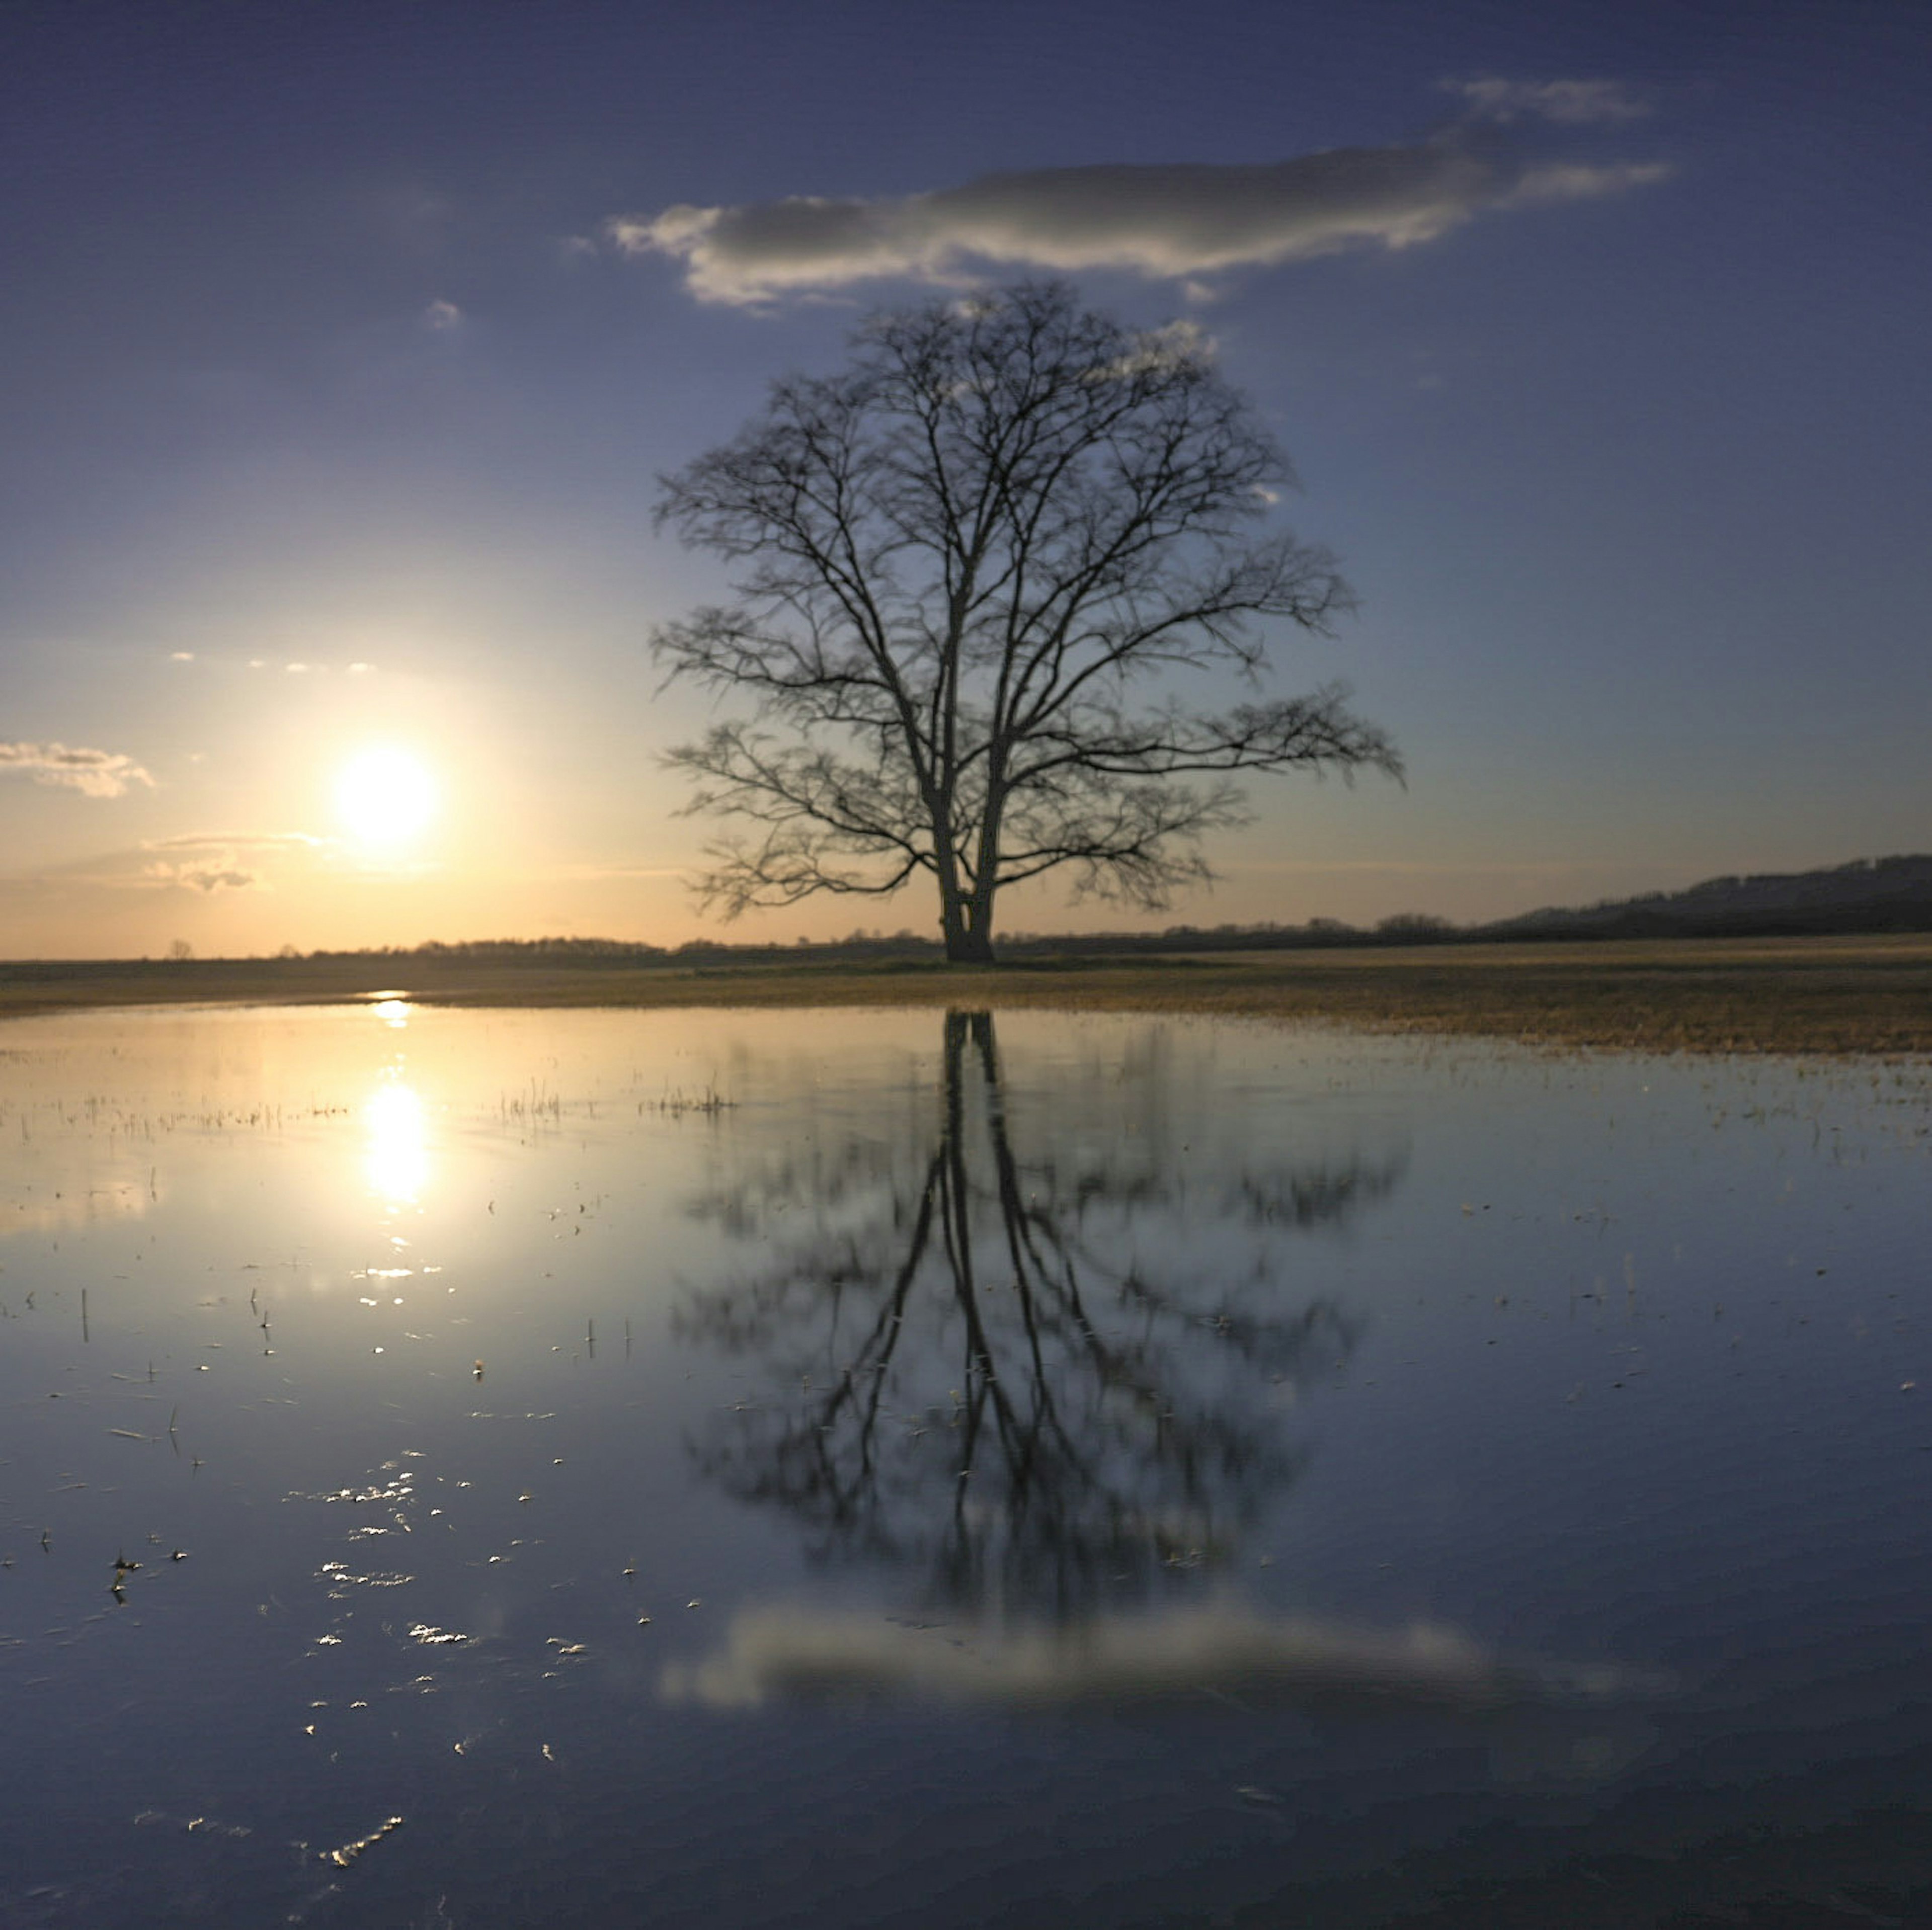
[96, 774]
[212, 861]
[1570, 181]
[1169, 222]
[181, 656]
[230, 842]
[1573, 102]
[207, 862]
[439, 317]
[211, 877]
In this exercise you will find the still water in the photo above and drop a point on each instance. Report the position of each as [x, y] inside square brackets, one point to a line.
[507, 1469]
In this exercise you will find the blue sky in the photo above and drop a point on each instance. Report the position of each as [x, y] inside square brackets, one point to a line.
[356, 335]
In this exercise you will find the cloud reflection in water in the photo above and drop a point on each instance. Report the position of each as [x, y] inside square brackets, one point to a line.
[779, 1651]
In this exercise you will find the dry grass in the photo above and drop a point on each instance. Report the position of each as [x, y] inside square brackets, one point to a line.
[1823, 995]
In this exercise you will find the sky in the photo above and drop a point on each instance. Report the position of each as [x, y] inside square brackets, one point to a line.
[345, 345]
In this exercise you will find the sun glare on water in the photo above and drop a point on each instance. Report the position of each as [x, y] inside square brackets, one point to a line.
[395, 1149]
[385, 796]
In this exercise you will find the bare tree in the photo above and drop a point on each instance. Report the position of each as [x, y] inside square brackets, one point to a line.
[965, 567]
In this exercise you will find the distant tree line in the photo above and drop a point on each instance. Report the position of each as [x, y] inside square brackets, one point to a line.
[1867, 895]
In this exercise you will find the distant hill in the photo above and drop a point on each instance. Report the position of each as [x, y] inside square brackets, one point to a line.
[1868, 894]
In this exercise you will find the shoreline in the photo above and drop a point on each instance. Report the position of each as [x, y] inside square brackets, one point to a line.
[1835, 996]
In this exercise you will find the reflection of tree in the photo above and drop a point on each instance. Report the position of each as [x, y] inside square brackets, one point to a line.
[978, 1367]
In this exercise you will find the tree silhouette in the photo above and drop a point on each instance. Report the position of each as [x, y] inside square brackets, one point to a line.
[974, 1370]
[961, 564]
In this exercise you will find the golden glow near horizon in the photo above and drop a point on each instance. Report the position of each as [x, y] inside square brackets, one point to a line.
[385, 796]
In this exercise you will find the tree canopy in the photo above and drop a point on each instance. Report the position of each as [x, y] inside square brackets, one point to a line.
[965, 570]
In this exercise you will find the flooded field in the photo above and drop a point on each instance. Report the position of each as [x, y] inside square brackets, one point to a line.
[874, 1468]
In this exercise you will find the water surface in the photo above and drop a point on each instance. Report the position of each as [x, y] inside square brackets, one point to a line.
[507, 1469]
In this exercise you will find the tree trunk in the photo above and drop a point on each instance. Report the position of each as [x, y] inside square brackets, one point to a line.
[965, 918]
[977, 936]
[969, 946]
[952, 925]
[968, 927]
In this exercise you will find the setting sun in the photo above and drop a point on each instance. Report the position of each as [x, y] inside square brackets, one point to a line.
[385, 796]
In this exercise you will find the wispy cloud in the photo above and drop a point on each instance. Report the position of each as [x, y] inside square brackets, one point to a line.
[213, 861]
[210, 877]
[439, 317]
[238, 840]
[197, 861]
[96, 774]
[1172, 222]
[1573, 102]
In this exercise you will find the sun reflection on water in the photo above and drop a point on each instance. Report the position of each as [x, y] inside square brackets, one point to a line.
[396, 1156]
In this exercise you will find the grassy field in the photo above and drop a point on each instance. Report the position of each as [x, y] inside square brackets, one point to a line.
[1816, 995]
